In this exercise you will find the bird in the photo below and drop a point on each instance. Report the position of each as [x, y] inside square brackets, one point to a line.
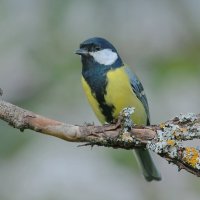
[110, 86]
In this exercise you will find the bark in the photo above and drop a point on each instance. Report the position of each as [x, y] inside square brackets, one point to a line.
[165, 139]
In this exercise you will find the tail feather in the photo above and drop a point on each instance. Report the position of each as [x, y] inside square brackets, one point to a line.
[148, 168]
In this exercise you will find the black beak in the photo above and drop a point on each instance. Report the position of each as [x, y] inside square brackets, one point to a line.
[81, 52]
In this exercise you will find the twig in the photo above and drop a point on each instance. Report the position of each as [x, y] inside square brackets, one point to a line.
[165, 139]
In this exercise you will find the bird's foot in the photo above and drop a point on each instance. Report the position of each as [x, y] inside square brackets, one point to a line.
[112, 126]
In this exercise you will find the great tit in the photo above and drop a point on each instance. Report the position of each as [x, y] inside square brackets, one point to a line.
[110, 85]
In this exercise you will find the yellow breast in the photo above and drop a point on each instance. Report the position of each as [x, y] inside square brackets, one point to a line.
[119, 94]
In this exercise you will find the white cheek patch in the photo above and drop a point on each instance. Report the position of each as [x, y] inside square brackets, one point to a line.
[104, 57]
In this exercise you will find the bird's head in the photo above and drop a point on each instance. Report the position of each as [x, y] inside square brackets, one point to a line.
[97, 52]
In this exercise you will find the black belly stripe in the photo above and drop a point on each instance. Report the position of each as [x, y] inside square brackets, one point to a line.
[107, 110]
[97, 80]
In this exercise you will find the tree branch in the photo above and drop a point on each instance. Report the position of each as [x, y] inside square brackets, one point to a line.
[165, 139]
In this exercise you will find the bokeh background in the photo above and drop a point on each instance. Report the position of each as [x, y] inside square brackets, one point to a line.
[40, 72]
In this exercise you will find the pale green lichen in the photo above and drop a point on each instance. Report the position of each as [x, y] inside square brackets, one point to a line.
[167, 132]
[164, 147]
[194, 131]
[187, 133]
[175, 132]
[170, 137]
[189, 117]
[126, 124]
[125, 137]
[166, 141]
[126, 121]
[173, 152]
[158, 147]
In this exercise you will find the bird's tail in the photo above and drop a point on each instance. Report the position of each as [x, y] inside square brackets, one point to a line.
[148, 168]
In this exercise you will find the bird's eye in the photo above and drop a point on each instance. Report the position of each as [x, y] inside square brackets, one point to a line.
[97, 48]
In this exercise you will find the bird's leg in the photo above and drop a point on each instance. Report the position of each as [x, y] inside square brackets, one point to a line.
[124, 120]
[115, 124]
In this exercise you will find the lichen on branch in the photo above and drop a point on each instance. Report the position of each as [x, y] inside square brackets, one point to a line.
[166, 139]
[170, 142]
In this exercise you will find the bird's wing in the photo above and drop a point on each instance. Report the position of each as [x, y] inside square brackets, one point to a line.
[138, 90]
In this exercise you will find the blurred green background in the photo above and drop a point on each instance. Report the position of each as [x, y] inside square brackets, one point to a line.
[40, 72]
